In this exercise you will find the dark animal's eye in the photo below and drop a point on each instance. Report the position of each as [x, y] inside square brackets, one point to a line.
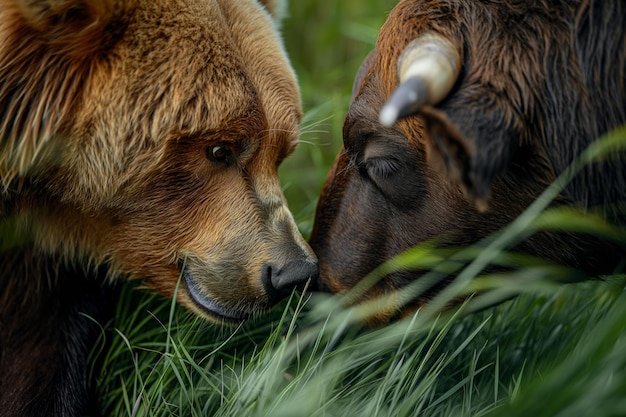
[219, 154]
[379, 168]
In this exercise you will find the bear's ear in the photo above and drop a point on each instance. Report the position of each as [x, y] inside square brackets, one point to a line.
[72, 27]
[48, 48]
[277, 8]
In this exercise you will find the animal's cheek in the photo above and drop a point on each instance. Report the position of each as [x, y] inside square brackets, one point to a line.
[166, 213]
[230, 251]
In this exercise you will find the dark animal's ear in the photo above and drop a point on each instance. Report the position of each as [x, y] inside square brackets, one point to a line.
[451, 152]
[473, 154]
[277, 8]
[70, 27]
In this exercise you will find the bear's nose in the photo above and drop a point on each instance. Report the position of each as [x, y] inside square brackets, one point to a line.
[279, 282]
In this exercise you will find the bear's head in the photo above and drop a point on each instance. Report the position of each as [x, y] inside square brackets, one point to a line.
[146, 135]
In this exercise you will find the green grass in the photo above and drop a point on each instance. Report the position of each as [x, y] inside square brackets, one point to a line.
[548, 353]
[555, 350]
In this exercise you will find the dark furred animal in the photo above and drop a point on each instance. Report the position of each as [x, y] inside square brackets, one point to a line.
[530, 85]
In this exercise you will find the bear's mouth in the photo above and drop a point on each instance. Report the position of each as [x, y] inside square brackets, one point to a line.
[208, 304]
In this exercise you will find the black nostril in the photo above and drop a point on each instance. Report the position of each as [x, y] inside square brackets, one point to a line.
[280, 282]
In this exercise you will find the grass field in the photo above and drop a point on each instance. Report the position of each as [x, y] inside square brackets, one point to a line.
[556, 350]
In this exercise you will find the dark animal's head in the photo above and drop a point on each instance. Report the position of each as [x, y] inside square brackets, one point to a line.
[460, 117]
[147, 135]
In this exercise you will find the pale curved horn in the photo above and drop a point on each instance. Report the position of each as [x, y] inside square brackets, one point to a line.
[427, 70]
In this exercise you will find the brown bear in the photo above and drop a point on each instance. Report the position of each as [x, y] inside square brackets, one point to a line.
[138, 139]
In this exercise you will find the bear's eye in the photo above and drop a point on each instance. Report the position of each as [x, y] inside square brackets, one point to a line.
[219, 154]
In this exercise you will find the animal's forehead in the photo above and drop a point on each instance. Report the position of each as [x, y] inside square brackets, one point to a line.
[201, 67]
[361, 122]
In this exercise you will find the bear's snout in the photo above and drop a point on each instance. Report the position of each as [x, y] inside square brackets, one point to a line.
[230, 291]
[279, 282]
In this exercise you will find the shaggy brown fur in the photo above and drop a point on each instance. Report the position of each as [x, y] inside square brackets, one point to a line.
[142, 136]
[540, 81]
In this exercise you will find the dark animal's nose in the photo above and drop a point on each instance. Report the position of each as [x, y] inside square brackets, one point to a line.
[279, 282]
